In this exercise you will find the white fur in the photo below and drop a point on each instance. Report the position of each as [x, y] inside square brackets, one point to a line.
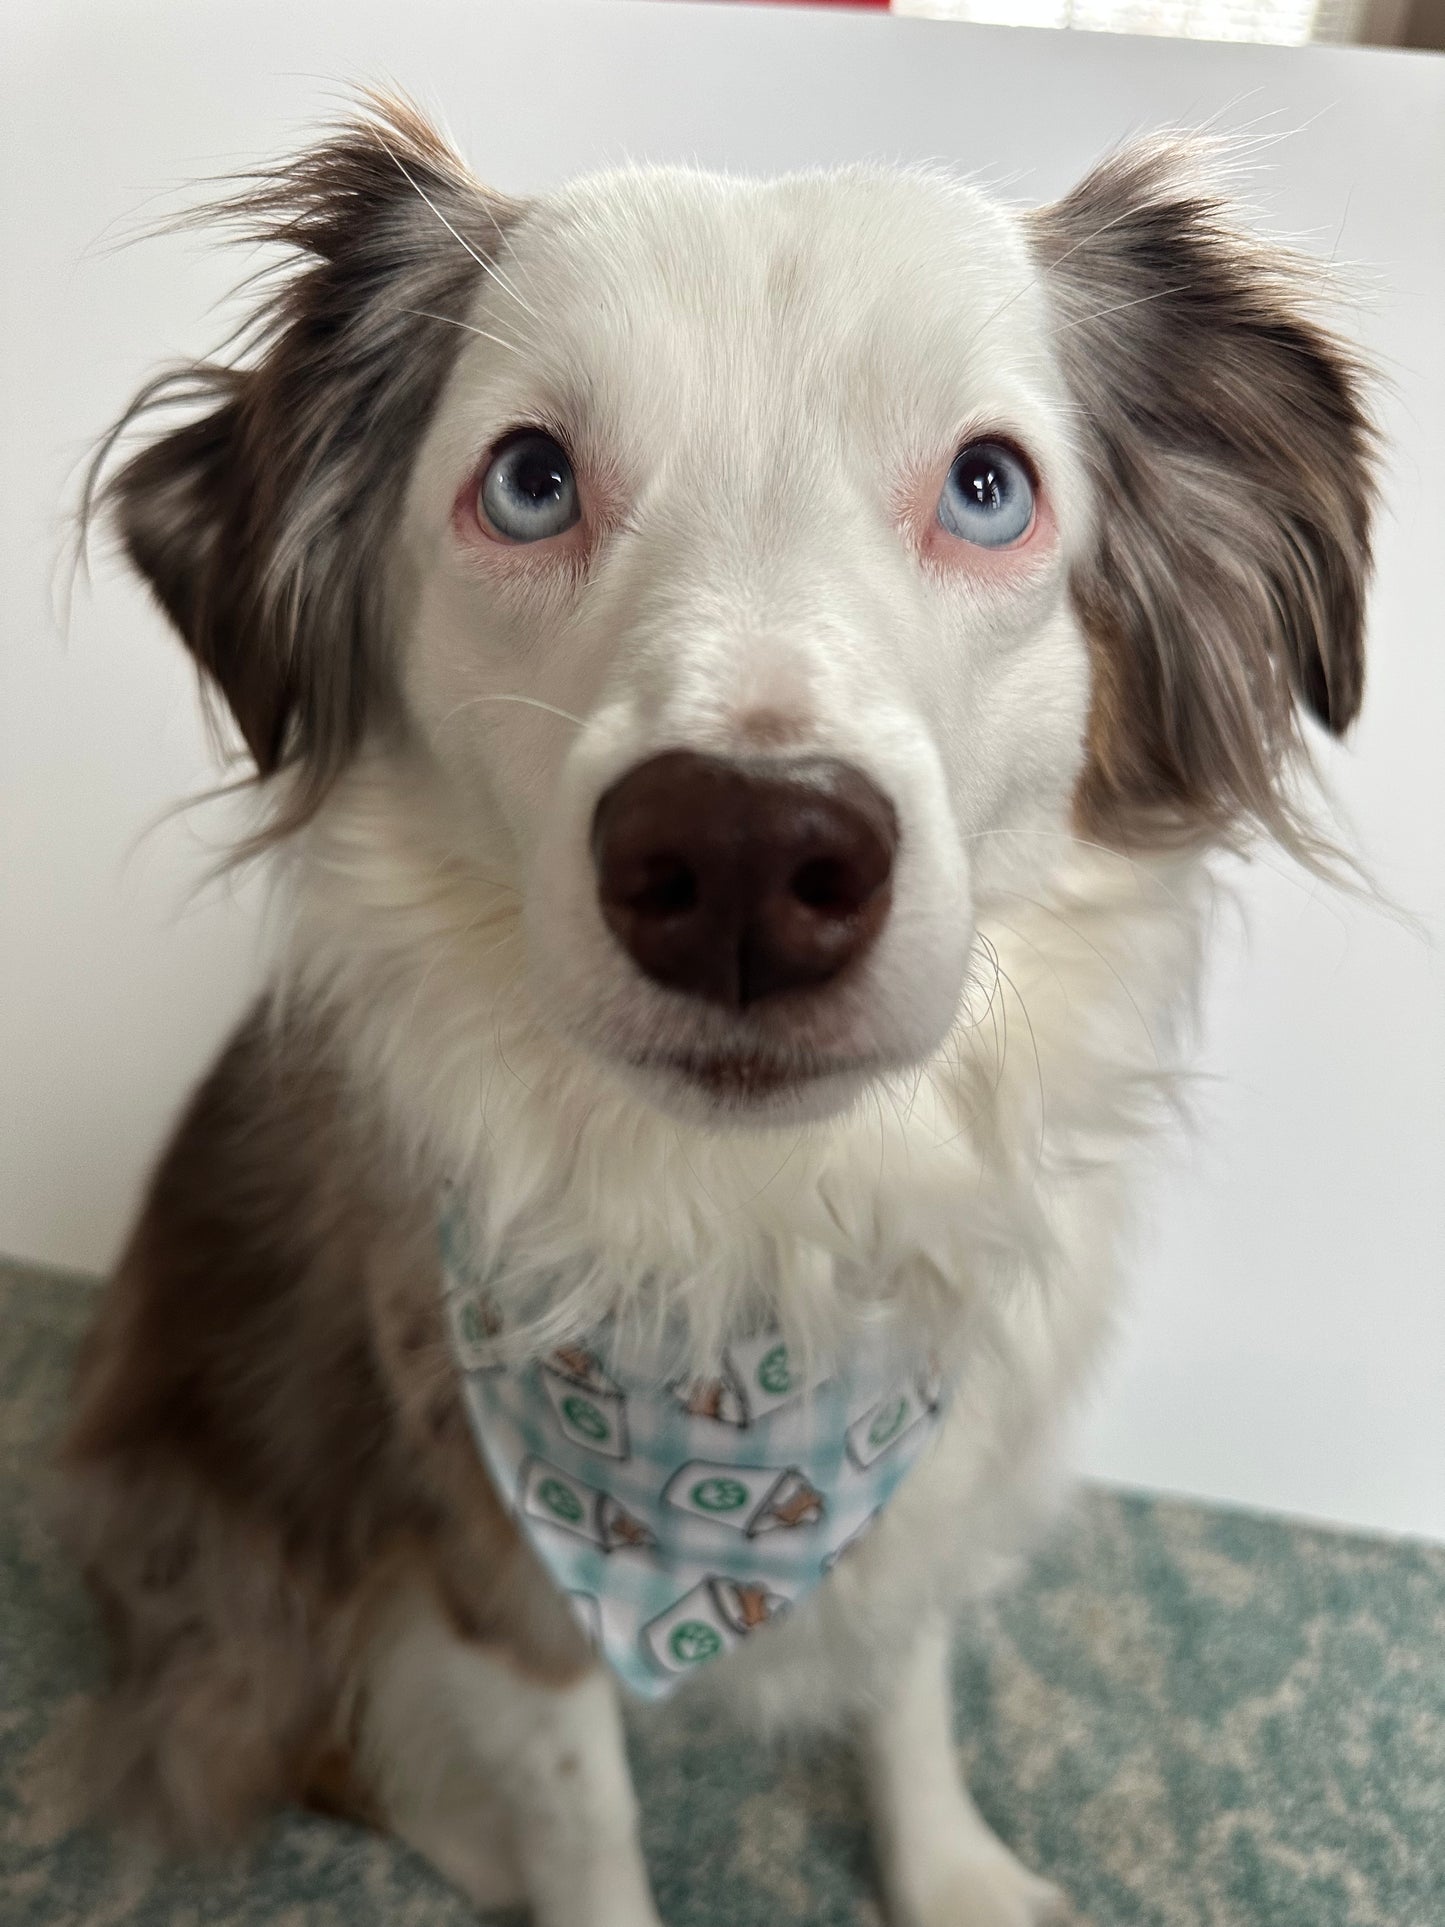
[513, 1787]
[941, 1863]
[761, 368]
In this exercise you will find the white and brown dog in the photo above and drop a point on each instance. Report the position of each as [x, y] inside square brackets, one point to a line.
[744, 677]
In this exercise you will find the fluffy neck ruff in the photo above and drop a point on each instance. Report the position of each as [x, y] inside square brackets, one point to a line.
[937, 1188]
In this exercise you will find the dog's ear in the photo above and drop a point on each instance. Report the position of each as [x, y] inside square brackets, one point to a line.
[262, 522]
[1231, 458]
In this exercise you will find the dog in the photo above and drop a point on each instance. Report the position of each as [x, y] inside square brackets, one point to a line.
[744, 680]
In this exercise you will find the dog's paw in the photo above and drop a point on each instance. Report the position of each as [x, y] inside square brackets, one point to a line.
[982, 1889]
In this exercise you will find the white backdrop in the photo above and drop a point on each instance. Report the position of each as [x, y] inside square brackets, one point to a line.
[1288, 1343]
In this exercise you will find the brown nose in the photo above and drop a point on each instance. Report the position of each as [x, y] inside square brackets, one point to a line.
[736, 882]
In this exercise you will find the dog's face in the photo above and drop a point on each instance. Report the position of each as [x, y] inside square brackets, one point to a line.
[768, 575]
[740, 544]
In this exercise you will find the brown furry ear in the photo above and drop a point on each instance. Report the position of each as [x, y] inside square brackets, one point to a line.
[1232, 461]
[261, 524]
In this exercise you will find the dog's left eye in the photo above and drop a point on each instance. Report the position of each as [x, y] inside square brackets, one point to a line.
[528, 491]
[988, 498]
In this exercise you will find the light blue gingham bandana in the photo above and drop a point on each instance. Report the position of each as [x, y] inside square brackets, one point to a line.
[681, 1516]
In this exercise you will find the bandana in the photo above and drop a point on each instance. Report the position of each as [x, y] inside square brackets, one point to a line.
[681, 1515]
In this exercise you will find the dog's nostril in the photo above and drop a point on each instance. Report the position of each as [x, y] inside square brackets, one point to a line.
[827, 885]
[669, 891]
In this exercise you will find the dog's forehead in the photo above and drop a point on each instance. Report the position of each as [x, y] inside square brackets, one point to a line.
[682, 229]
[878, 283]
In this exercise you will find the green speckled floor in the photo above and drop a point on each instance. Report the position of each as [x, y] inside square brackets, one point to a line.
[1187, 1718]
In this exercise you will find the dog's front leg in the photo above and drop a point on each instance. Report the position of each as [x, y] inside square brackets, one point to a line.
[942, 1865]
[512, 1784]
[566, 1781]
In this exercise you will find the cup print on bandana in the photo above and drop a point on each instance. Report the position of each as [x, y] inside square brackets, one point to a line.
[555, 1498]
[890, 1420]
[588, 1402]
[476, 1326]
[750, 1498]
[758, 1376]
[708, 1621]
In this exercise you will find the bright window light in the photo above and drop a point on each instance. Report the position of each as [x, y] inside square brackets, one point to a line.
[1286, 22]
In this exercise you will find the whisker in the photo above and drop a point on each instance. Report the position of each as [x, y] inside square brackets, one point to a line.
[1042, 955]
[486, 266]
[1114, 972]
[969, 1040]
[882, 1134]
[768, 1182]
[1136, 301]
[999, 1007]
[1038, 1070]
[681, 1149]
[425, 314]
[886, 1087]
[528, 702]
[441, 952]
[506, 1061]
[1036, 277]
[969, 1035]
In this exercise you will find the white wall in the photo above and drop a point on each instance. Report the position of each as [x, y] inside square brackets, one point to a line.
[1289, 1343]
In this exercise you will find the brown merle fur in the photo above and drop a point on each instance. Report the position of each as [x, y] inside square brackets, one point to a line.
[1225, 433]
[267, 1444]
[262, 524]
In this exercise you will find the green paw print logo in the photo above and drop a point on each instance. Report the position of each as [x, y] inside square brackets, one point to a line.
[775, 1374]
[692, 1641]
[560, 1500]
[719, 1495]
[585, 1418]
[888, 1422]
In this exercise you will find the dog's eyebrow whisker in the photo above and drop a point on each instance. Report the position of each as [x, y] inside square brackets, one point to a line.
[1135, 301]
[426, 314]
[1036, 277]
[527, 702]
[485, 265]
[1088, 240]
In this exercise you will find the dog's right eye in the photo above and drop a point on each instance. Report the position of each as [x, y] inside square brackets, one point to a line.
[988, 499]
[528, 490]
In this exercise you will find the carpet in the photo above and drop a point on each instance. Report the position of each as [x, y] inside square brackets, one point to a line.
[1187, 1717]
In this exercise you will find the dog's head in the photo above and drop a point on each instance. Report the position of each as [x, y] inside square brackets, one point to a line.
[767, 573]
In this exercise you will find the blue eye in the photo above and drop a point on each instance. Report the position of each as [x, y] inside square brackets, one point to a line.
[988, 498]
[529, 491]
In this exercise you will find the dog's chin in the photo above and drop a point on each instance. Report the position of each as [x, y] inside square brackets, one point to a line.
[745, 1088]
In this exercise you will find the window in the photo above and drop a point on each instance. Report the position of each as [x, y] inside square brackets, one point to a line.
[1290, 22]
